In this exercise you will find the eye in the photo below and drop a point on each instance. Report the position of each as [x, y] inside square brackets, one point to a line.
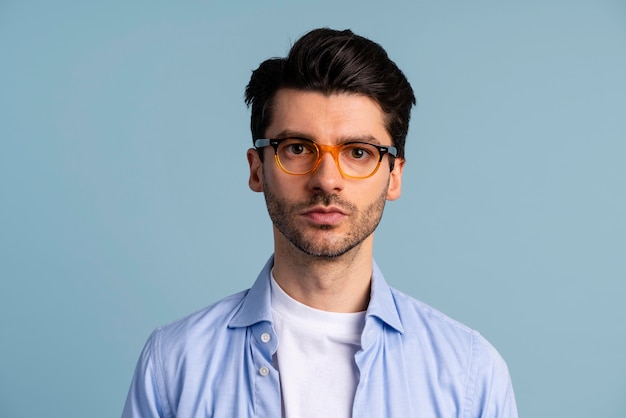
[360, 151]
[296, 149]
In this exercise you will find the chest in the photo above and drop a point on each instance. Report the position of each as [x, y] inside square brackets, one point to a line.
[393, 377]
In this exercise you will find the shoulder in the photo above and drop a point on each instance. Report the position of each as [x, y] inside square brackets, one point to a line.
[416, 314]
[200, 327]
[445, 335]
[455, 349]
[175, 352]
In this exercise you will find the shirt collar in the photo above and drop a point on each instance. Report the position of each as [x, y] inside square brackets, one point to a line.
[382, 303]
[256, 305]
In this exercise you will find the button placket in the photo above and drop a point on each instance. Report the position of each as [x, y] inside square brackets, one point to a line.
[266, 391]
[266, 340]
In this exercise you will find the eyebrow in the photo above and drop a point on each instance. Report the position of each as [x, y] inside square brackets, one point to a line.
[287, 133]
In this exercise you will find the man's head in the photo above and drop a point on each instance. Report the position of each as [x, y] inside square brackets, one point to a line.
[329, 62]
[331, 113]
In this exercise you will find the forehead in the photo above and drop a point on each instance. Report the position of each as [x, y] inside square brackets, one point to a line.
[327, 118]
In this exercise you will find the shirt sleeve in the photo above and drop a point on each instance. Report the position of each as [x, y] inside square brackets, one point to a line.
[490, 391]
[144, 398]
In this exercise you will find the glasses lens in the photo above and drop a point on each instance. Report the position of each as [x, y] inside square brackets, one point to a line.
[358, 159]
[297, 156]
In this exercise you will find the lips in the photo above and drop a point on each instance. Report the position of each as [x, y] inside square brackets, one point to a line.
[325, 215]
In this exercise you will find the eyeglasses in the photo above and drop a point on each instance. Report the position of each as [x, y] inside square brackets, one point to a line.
[355, 159]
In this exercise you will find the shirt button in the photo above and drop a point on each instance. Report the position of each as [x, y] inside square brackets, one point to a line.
[265, 337]
[264, 371]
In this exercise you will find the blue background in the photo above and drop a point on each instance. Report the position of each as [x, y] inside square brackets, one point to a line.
[124, 198]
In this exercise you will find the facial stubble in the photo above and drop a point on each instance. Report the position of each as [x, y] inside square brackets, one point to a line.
[286, 217]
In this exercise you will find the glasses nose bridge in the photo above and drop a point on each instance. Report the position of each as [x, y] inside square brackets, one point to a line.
[332, 149]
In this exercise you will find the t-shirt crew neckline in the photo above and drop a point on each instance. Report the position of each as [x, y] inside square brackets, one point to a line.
[345, 323]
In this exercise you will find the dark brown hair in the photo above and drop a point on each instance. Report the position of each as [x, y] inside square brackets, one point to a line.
[330, 61]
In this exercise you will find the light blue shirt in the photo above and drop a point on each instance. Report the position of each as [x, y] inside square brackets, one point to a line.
[414, 362]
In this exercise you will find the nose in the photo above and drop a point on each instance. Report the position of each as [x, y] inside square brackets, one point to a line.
[326, 178]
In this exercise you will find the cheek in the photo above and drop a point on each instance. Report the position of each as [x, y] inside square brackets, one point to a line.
[278, 183]
[381, 186]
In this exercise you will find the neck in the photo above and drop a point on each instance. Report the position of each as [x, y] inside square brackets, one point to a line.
[338, 284]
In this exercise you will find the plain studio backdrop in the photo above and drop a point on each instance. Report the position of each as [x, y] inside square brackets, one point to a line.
[124, 202]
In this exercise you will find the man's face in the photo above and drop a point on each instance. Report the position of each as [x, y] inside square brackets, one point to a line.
[323, 213]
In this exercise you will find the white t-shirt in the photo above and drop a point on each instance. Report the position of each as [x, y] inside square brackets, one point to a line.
[315, 357]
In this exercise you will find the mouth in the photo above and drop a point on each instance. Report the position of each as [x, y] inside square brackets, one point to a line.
[325, 215]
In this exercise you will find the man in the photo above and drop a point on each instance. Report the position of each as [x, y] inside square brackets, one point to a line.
[320, 333]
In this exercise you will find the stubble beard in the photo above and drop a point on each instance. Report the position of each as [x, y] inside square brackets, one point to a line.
[285, 217]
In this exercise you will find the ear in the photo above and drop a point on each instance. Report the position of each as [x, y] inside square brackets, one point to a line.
[395, 180]
[256, 170]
